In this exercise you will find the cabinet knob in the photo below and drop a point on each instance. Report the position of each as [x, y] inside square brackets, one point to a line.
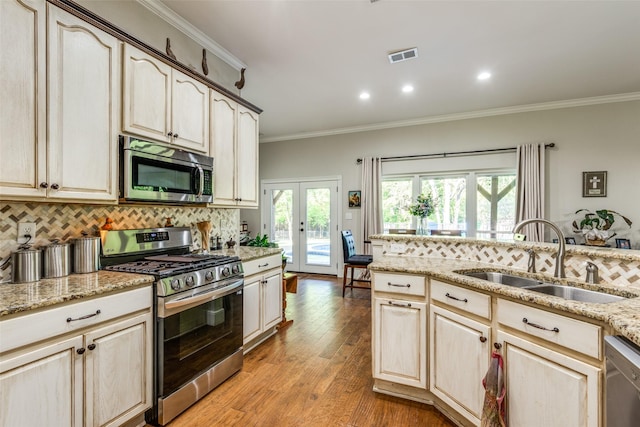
[81, 350]
[175, 135]
[91, 346]
[170, 134]
[44, 185]
[55, 186]
[483, 339]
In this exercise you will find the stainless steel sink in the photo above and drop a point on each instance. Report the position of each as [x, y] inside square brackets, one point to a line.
[505, 279]
[566, 292]
[576, 294]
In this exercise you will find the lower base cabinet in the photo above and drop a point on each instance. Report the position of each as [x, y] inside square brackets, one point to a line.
[101, 376]
[459, 354]
[400, 341]
[548, 388]
[262, 299]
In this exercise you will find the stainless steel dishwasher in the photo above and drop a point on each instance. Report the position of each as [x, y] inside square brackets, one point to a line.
[622, 382]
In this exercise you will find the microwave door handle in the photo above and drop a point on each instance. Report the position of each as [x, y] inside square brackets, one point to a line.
[201, 175]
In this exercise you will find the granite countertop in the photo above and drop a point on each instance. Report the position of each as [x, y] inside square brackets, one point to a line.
[623, 316]
[21, 297]
[248, 253]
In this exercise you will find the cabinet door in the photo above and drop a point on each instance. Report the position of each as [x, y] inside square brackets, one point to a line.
[223, 148]
[43, 387]
[23, 94]
[119, 372]
[146, 103]
[247, 160]
[84, 82]
[251, 308]
[547, 388]
[272, 299]
[400, 342]
[189, 113]
[460, 352]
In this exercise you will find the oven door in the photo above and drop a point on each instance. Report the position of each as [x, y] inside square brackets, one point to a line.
[164, 179]
[196, 332]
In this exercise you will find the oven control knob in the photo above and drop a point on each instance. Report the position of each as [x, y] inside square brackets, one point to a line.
[225, 271]
[235, 269]
[175, 284]
[190, 281]
[209, 275]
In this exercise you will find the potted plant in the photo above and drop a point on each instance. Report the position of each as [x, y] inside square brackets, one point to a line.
[262, 241]
[422, 209]
[596, 226]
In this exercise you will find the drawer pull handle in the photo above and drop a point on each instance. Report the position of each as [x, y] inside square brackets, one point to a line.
[399, 305]
[454, 298]
[408, 285]
[535, 325]
[69, 319]
[263, 265]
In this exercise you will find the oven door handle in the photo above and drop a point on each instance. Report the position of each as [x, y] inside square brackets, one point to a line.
[171, 307]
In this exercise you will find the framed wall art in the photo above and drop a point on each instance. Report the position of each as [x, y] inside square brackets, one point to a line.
[354, 199]
[594, 184]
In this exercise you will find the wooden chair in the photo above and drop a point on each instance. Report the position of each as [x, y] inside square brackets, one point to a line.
[446, 232]
[353, 261]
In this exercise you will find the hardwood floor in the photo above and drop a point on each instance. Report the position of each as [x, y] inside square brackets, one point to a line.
[314, 372]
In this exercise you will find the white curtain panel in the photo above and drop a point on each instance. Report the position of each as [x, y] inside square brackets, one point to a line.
[531, 188]
[371, 199]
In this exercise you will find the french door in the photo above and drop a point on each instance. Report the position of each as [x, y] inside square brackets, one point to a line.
[302, 218]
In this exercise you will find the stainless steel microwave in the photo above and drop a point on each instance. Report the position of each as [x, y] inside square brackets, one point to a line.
[153, 172]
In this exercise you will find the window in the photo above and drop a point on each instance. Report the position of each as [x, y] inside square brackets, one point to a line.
[481, 204]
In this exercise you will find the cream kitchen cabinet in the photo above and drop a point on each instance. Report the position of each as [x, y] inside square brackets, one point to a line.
[94, 371]
[74, 158]
[400, 329]
[459, 347]
[234, 147]
[162, 103]
[548, 385]
[262, 299]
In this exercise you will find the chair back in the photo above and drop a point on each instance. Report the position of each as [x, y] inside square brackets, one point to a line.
[446, 232]
[348, 245]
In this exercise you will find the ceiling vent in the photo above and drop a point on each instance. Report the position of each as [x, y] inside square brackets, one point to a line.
[403, 55]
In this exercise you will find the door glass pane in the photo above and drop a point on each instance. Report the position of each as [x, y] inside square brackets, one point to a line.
[396, 198]
[450, 197]
[496, 209]
[282, 214]
[317, 226]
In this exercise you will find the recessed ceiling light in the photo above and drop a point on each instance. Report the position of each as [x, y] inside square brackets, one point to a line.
[365, 95]
[485, 75]
[407, 88]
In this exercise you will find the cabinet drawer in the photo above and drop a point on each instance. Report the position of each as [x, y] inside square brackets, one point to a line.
[574, 334]
[35, 327]
[464, 299]
[399, 283]
[260, 265]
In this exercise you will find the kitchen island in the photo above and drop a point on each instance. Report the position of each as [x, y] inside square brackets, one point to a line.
[435, 328]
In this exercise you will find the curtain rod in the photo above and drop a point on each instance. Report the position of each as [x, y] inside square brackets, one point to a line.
[454, 153]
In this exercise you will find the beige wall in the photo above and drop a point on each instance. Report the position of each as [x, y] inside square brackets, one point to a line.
[591, 138]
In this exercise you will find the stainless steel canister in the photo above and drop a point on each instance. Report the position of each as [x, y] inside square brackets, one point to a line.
[26, 265]
[57, 259]
[86, 254]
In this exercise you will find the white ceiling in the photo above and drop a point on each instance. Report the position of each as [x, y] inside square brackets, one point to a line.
[308, 60]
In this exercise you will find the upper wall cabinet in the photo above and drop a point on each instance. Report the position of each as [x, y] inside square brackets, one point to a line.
[84, 79]
[164, 104]
[234, 147]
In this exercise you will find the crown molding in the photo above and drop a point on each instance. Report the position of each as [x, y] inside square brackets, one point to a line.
[581, 102]
[192, 32]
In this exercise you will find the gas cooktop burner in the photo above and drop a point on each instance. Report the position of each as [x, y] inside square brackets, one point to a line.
[164, 265]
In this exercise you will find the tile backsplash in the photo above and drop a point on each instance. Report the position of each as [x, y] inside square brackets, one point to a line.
[66, 221]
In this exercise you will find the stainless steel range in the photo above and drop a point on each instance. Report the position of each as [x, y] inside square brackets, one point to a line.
[198, 328]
